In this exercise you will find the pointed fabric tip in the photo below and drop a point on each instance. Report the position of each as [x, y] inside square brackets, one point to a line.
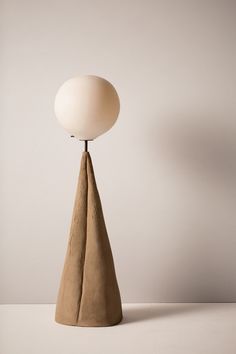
[88, 293]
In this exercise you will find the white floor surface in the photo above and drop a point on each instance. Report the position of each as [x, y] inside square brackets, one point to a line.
[146, 328]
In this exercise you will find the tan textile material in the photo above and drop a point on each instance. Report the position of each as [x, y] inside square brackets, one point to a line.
[89, 293]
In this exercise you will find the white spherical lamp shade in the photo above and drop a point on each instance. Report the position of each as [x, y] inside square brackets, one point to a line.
[87, 106]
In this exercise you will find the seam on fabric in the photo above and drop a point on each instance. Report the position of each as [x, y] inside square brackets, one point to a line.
[85, 244]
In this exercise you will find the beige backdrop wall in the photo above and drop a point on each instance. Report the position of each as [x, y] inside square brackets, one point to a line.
[166, 171]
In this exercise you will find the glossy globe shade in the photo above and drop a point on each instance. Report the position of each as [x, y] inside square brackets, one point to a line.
[87, 106]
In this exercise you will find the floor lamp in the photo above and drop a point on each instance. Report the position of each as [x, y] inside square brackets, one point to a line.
[88, 106]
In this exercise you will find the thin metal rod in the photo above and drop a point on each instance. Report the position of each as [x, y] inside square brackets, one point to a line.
[85, 145]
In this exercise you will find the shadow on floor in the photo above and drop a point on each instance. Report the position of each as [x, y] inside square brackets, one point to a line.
[151, 311]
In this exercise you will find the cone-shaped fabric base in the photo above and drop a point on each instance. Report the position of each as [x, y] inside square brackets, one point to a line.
[89, 293]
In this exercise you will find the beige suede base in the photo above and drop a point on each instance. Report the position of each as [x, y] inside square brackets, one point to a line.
[89, 293]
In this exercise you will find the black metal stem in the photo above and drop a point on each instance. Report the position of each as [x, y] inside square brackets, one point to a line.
[86, 145]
